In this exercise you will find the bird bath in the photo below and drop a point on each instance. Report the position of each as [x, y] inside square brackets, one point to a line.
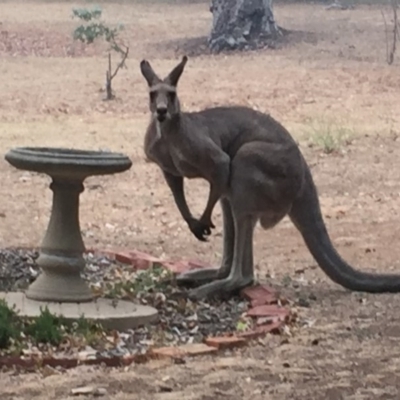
[61, 254]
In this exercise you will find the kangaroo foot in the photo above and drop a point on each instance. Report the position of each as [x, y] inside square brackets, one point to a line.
[220, 287]
[200, 276]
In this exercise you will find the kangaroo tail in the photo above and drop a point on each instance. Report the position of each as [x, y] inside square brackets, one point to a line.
[306, 216]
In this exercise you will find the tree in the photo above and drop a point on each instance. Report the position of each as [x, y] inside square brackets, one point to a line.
[395, 33]
[242, 24]
[93, 29]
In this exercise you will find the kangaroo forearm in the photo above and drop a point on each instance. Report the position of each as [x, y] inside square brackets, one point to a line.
[175, 183]
[218, 187]
[213, 198]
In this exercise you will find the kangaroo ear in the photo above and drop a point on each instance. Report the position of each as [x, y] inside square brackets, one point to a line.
[176, 73]
[148, 73]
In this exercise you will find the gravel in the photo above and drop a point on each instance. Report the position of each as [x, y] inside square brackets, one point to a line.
[181, 321]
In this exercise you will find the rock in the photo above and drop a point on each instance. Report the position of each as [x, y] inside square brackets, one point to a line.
[88, 390]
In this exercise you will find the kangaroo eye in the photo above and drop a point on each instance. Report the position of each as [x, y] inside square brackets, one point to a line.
[153, 96]
[172, 96]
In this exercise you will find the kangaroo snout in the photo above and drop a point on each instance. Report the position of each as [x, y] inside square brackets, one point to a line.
[161, 113]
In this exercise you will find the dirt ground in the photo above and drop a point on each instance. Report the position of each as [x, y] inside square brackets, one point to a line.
[330, 78]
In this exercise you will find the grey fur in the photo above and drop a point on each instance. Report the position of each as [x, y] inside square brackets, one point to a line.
[257, 172]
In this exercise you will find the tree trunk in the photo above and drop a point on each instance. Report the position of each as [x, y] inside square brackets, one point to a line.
[242, 24]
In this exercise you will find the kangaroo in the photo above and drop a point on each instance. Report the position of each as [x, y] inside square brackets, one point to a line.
[256, 171]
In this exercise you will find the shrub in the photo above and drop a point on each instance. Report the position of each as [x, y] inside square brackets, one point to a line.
[9, 325]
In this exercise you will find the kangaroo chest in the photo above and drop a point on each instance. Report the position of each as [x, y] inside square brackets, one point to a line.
[171, 158]
[184, 166]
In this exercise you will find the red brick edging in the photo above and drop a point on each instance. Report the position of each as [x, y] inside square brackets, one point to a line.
[263, 302]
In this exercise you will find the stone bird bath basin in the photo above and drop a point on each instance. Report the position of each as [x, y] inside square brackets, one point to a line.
[61, 254]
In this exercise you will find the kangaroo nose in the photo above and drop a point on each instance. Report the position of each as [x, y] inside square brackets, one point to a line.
[162, 111]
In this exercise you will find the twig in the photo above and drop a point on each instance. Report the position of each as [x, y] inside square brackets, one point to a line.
[386, 36]
[391, 47]
[110, 76]
[395, 30]
[108, 80]
[121, 63]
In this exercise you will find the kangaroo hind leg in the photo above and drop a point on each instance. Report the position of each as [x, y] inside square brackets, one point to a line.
[241, 273]
[201, 276]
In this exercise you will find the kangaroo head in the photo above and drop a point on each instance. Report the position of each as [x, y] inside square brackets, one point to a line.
[164, 102]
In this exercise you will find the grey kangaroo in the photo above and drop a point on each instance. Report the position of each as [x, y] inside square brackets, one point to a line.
[257, 172]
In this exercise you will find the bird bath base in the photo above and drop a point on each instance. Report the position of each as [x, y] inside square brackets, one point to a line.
[60, 286]
[120, 315]
[61, 254]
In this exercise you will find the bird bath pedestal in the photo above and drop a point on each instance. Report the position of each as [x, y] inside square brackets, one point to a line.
[61, 254]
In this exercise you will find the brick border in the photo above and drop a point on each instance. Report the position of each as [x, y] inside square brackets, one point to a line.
[271, 318]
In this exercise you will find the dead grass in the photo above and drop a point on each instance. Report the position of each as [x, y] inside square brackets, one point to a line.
[328, 135]
[332, 66]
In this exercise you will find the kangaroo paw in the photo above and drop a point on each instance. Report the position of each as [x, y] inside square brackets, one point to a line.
[197, 277]
[220, 287]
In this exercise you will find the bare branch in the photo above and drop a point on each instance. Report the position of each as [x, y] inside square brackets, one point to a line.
[392, 47]
[395, 30]
[386, 36]
[121, 64]
[108, 79]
